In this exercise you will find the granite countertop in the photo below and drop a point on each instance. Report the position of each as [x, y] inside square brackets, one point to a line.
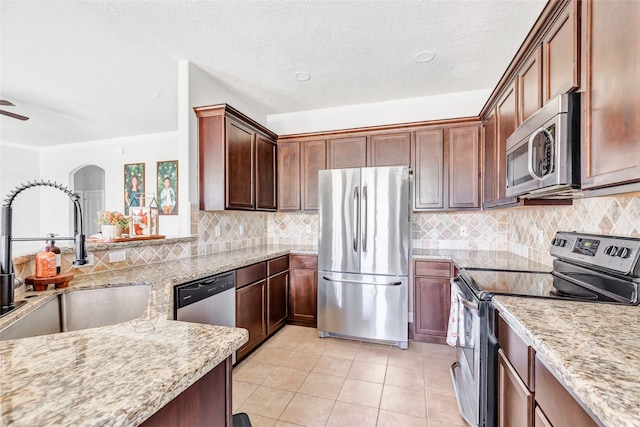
[496, 260]
[119, 374]
[594, 349]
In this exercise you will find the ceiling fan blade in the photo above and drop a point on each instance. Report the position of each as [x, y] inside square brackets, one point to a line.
[5, 102]
[15, 116]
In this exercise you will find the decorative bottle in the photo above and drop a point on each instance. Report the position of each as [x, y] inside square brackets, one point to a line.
[45, 263]
[51, 244]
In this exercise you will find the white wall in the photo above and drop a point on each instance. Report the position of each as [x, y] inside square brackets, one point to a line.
[58, 162]
[451, 105]
[202, 89]
[19, 164]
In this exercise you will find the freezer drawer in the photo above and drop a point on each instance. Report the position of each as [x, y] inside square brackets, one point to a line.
[371, 307]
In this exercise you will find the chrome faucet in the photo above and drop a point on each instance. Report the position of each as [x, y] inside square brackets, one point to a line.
[7, 277]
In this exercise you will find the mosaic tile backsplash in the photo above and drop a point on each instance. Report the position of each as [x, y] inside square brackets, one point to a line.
[226, 230]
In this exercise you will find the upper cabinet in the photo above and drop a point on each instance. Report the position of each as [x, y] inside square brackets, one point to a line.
[530, 86]
[447, 168]
[506, 123]
[347, 152]
[237, 161]
[298, 166]
[489, 167]
[561, 57]
[611, 102]
[393, 149]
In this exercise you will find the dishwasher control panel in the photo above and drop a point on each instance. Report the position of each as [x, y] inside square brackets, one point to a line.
[198, 290]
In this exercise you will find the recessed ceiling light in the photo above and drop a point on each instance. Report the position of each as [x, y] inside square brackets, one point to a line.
[153, 94]
[302, 76]
[424, 56]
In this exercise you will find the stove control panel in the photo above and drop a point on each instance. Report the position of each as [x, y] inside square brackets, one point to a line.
[620, 254]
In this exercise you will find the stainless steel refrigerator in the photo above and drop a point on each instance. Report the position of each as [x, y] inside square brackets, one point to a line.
[363, 253]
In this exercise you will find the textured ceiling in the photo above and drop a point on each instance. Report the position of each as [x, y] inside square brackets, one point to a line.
[80, 69]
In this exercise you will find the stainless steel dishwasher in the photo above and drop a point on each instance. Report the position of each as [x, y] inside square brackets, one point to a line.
[211, 300]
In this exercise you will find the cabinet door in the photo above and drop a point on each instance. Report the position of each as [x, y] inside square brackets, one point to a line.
[265, 174]
[464, 174]
[390, 149]
[277, 301]
[347, 152]
[432, 300]
[611, 144]
[251, 314]
[489, 163]
[530, 86]
[303, 297]
[289, 176]
[562, 54]
[515, 402]
[240, 166]
[506, 124]
[540, 419]
[314, 159]
[428, 158]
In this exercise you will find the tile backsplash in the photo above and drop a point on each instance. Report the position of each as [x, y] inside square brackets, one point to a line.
[225, 230]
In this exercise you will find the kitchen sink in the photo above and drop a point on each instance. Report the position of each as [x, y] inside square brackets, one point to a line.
[75, 310]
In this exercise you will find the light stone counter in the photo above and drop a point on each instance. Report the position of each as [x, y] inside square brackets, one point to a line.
[120, 374]
[482, 259]
[594, 349]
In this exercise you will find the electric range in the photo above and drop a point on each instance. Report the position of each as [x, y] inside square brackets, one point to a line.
[587, 267]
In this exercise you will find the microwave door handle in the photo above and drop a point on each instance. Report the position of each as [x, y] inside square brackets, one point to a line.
[530, 154]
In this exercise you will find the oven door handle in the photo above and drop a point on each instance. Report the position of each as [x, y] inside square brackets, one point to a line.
[470, 305]
[456, 390]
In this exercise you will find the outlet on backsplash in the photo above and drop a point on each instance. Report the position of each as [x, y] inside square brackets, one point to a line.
[118, 256]
[217, 231]
[307, 229]
[463, 231]
[241, 230]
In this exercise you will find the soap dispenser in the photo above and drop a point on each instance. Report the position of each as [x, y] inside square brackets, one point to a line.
[51, 244]
[45, 263]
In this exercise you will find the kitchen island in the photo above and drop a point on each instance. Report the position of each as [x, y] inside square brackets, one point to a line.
[120, 374]
[592, 349]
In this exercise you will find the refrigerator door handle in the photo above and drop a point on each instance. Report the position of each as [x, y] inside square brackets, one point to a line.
[356, 218]
[329, 279]
[366, 219]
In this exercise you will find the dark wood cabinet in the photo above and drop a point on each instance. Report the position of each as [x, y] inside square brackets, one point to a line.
[277, 294]
[506, 123]
[515, 401]
[207, 402]
[432, 300]
[251, 314]
[489, 167]
[428, 159]
[556, 403]
[390, 149]
[348, 152]
[289, 195]
[611, 101]
[266, 188]
[303, 290]
[529, 82]
[561, 47]
[446, 165]
[314, 159]
[464, 164]
[237, 161]
[540, 420]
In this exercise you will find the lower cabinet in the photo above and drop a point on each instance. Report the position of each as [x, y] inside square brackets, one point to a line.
[528, 393]
[251, 314]
[515, 401]
[303, 290]
[261, 300]
[431, 300]
[207, 402]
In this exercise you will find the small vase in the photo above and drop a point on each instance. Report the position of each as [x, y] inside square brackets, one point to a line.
[110, 232]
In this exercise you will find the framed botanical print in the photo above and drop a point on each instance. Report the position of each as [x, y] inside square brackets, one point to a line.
[133, 185]
[167, 173]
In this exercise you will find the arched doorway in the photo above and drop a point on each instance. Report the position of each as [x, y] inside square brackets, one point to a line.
[88, 182]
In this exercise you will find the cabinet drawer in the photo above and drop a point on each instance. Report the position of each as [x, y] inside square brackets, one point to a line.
[433, 268]
[277, 265]
[520, 355]
[250, 274]
[560, 408]
[304, 261]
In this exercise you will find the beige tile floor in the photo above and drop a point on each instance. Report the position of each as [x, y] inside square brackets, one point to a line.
[298, 379]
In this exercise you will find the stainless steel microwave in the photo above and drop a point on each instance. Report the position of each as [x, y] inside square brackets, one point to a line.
[543, 154]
